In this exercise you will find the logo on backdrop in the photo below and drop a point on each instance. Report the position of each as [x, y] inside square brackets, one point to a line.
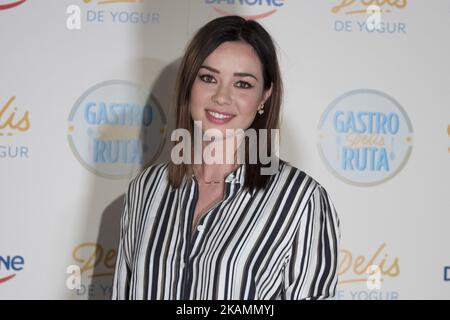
[115, 128]
[379, 17]
[446, 273]
[8, 4]
[129, 12]
[365, 137]
[248, 9]
[10, 266]
[14, 123]
[370, 271]
[448, 133]
[93, 270]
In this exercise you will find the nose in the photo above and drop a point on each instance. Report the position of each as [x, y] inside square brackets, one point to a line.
[222, 96]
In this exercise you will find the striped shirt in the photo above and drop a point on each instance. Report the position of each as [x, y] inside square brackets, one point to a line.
[280, 242]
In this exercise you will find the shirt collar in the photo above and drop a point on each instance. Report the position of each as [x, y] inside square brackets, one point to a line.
[237, 176]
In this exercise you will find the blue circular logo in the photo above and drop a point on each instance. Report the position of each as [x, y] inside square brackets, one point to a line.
[115, 128]
[365, 137]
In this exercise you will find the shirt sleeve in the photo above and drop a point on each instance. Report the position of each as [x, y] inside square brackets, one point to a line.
[311, 270]
[122, 273]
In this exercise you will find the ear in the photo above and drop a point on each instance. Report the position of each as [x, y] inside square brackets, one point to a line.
[267, 93]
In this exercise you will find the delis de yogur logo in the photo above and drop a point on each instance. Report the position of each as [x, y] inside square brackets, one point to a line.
[14, 122]
[116, 128]
[122, 12]
[370, 17]
[248, 9]
[365, 137]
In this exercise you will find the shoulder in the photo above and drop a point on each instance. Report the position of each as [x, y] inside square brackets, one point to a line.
[300, 186]
[296, 179]
[152, 176]
[310, 197]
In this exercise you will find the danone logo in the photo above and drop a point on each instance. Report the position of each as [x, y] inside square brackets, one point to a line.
[365, 137]
[248, 9]
[115, 128]
[9, 267]
[8, 4]
[103, 2]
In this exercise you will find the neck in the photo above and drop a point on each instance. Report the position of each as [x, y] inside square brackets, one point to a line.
[221, 150]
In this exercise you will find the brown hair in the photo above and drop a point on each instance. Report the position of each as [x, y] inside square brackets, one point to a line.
[204, 42]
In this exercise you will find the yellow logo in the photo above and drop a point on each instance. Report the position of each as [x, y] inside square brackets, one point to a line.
[363, 6]
[448, 132]
[10, 122]
[358, 269]
[91, 255]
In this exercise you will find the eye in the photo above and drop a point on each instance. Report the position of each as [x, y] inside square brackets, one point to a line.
[244, 85]
[206, 78]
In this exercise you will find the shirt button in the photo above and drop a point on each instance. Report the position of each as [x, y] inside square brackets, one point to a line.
[200, 228]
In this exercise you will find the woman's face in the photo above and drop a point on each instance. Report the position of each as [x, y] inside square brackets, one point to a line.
[228, 88]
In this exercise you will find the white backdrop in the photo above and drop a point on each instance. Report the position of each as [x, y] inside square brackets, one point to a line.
[85, 101]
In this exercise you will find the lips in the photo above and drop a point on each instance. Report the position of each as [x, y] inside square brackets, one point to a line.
[218, 117]
[219, 114]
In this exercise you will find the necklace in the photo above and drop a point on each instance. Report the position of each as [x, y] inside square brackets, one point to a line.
[196, 173]
[208, 182]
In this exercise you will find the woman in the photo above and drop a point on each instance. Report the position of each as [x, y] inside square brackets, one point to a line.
[226, 229]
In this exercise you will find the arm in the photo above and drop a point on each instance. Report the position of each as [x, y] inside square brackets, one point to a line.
[120, 287]
[311, 271]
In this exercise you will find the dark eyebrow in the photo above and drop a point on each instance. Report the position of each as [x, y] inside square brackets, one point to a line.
[238, 74]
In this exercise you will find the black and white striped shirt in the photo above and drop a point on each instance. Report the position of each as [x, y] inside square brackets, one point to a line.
[281, 242]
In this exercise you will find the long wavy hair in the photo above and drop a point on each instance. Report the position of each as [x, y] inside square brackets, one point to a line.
[204, 42]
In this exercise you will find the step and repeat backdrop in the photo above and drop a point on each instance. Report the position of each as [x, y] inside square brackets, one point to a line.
[86, 92]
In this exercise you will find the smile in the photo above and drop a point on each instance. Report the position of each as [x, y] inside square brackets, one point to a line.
[217, 117]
